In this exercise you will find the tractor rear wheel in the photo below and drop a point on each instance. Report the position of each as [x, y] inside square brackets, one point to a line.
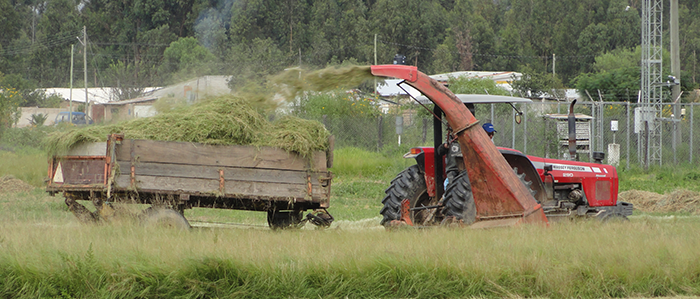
[459, 200]
[408, 184]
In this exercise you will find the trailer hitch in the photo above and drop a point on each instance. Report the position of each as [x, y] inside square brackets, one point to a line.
[81, 212]
[320, 218]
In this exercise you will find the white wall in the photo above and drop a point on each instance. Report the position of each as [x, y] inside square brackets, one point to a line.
[28, 111]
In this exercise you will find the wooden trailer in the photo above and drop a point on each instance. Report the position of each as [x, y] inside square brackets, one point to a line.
[174, 176]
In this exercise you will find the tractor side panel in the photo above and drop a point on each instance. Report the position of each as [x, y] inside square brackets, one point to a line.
[429, 169]
[599, 181]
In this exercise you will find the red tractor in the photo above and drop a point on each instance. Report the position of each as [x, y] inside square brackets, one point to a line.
[492, 186]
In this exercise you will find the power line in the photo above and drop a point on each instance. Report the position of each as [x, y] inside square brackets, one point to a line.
[130, 44]
[47, 42]
[482, 55]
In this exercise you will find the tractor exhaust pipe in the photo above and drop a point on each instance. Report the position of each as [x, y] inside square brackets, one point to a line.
[572, 132]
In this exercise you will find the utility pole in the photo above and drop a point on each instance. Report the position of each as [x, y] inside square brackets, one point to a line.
[70, 97]
[675, 50]
[676, 71]
[375, 61]
[554, 65]
[87, 103]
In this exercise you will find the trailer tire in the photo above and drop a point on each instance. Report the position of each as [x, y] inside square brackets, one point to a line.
[459, 200]
[284, 219]
[165, 217]
[408, 184]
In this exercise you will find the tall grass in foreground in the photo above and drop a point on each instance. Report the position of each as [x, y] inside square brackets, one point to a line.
[646, 257]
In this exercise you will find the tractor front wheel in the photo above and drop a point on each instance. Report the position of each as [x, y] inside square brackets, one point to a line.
[459, 200]
[408, 184]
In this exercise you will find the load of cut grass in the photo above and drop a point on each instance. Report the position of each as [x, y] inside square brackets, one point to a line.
[297, 81]
[296, 135]
[224, 120]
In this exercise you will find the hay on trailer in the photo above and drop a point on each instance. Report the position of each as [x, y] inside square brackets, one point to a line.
[224, 120]
[297, 135]
[676, 201]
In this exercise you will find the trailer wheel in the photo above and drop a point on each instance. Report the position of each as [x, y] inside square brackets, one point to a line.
[284, 219]
[408, 184]
[459, 200]
[165, 217]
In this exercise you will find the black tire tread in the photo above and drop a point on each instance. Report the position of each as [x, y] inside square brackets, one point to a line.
[405, 185]
[459, 200]
[284, 220]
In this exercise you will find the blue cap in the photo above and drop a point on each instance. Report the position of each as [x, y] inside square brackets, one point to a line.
[488, 127]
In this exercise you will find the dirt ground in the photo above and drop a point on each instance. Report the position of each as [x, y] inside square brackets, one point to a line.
[10, 184]
[676, 201]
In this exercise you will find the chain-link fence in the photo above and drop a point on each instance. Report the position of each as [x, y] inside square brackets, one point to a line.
[607, 127]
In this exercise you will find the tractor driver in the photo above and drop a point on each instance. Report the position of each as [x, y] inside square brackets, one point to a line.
[452, 151]
[490, 130]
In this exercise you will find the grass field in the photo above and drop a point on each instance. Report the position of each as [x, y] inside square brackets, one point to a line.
[46, 252]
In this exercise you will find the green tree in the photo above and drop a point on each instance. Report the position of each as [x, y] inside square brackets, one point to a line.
[616, 75]
[9, 108]
[339, 31]
[468, 85]
[186, 58]
[535, 84]
[57, 27]
[689, 38]
[444, 59]
[594, 39]
[254, 61]
[617, 85]
[132, 79]
[284, 22]
[409, 27]
[11, 22]
[471, 35]
[211, 28]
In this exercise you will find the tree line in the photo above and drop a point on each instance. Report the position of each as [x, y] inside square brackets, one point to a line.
[139, 43]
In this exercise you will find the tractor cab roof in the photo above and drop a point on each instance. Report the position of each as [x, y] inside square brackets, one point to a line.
[480, 99]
